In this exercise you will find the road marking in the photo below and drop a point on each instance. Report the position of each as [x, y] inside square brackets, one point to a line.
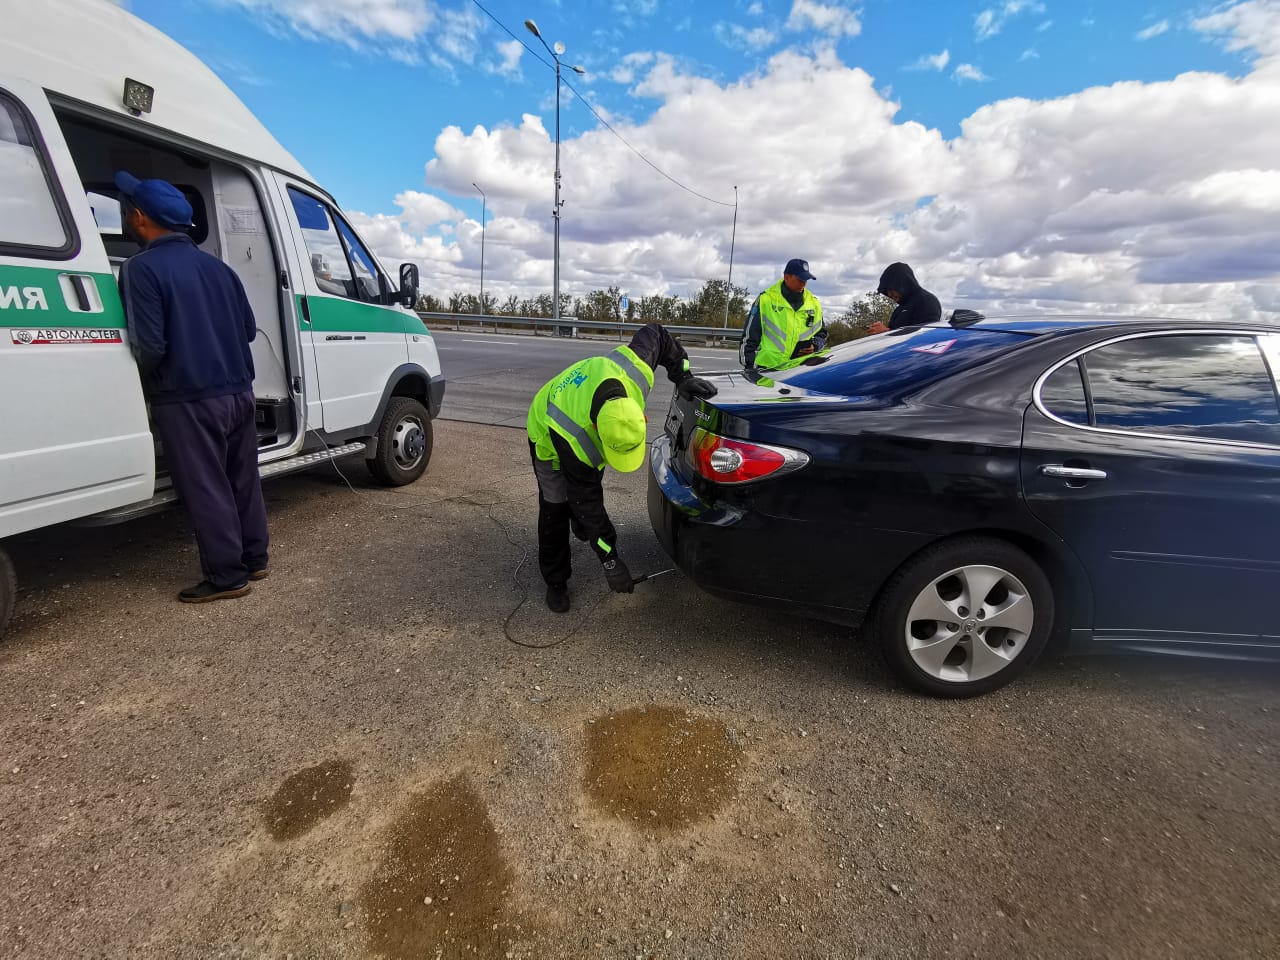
[509, 343]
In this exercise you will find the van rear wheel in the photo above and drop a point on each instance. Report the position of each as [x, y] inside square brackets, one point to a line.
[8, 591]
[404, 443]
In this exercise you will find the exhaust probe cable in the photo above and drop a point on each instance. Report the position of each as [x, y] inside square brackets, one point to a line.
[465, 498]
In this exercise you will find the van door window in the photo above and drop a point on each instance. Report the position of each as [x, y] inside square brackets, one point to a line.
[341, 265]
[365, 270]
[33, 218]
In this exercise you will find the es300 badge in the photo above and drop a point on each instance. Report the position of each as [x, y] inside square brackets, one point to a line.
[64, 335]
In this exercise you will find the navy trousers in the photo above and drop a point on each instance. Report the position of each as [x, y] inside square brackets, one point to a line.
[211, 447]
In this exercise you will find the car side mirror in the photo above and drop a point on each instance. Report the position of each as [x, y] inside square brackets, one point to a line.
[409, 284]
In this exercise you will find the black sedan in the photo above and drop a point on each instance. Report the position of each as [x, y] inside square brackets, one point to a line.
[979, 487]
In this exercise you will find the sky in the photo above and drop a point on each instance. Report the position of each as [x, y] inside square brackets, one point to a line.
[1120, 156]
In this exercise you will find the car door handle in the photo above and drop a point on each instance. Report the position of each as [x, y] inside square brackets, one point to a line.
[1072, 473]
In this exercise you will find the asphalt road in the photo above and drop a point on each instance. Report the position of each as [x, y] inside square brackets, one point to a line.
[491, 377]
[359, 759]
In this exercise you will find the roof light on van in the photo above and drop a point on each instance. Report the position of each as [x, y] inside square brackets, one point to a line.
[137, 97]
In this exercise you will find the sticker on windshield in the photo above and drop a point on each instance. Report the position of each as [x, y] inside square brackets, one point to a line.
[936, 349]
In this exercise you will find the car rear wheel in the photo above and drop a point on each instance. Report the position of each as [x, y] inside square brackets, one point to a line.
[965, 617]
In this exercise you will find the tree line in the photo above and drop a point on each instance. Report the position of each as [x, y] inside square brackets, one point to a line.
[717, 304]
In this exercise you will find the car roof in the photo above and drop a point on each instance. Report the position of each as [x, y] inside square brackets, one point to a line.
[1039, 324]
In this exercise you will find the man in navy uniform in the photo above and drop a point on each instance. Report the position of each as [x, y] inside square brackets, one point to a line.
[190, 325]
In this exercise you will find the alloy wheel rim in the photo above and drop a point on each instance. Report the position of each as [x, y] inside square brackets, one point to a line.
[969, 623]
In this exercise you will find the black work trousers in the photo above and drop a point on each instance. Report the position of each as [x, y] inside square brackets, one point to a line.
[211, 447]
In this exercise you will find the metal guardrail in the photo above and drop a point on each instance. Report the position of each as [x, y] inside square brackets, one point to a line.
[570, 326]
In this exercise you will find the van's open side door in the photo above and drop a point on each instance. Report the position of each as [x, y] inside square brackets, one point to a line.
[75, 439]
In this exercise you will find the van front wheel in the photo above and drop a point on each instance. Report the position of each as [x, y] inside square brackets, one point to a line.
[8, 591]
[404, 443]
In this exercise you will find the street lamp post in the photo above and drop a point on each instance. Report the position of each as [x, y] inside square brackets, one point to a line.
[732, 241]
[483, 204]
[555, 52]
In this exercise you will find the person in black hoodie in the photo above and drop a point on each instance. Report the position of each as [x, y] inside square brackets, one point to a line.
[916, 306]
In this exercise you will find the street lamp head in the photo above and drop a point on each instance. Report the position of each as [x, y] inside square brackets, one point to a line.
[533, 28]
[578, 70]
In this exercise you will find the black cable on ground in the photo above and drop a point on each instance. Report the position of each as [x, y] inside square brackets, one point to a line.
[465, 498]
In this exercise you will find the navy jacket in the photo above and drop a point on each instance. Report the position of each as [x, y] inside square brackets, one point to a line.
[190, 323]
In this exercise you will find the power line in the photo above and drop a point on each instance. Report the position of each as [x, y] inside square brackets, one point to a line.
[603, 122]
[641, 155]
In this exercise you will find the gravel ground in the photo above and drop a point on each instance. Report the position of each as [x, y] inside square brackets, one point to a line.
[354, 761]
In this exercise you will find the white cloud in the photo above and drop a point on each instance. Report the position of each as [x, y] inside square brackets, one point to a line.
[1044, 26]
[831, 19]
[967, 71]
[1035, 204]
[933, 61]
[1153, 31]
[756, 9]
[1250, 27]
[422, 211]
[738, 37]
[511, 51]
[625, 72]
[348, 21]
[1031, 53]
[993, 19]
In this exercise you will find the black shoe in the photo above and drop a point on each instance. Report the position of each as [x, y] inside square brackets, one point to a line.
[204, 592]
[558, 598]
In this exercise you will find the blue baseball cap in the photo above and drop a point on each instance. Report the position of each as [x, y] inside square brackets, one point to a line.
[158, 199]
[798, 268]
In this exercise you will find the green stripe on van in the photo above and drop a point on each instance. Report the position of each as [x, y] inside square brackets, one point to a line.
[334, 315]
[34, 297]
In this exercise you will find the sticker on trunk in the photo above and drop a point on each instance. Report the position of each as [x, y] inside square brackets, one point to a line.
[64, 335]
[935, 349]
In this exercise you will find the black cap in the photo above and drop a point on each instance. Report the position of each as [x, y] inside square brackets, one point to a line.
[798, 268]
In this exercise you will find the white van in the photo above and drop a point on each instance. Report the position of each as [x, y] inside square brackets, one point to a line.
[343, 365]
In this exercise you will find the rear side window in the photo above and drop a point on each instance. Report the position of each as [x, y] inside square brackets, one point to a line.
[1062, 394]
[33, 217]
[1213, 386]
[900, 361]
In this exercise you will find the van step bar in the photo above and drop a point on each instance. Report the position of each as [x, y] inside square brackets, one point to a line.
[278, 468]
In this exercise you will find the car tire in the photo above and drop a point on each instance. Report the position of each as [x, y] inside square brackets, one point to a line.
[942, 639]
[8, 591]
[404, 443]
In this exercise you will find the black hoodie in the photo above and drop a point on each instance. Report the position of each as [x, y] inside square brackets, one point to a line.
[917, 305]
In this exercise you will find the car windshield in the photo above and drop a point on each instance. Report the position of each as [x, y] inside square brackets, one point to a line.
[899, 361]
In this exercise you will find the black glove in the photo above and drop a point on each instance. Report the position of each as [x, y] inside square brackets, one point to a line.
[691, 388]
[619, 577]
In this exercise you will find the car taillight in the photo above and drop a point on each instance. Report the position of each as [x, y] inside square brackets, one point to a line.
[725, 460]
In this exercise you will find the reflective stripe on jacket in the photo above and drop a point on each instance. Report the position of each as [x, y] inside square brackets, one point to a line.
[783, 328]
[564, 403]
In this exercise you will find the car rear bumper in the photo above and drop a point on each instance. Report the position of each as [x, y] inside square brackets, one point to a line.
[809, 567]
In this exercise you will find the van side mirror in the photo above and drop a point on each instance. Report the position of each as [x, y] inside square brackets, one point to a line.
[409, 284]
